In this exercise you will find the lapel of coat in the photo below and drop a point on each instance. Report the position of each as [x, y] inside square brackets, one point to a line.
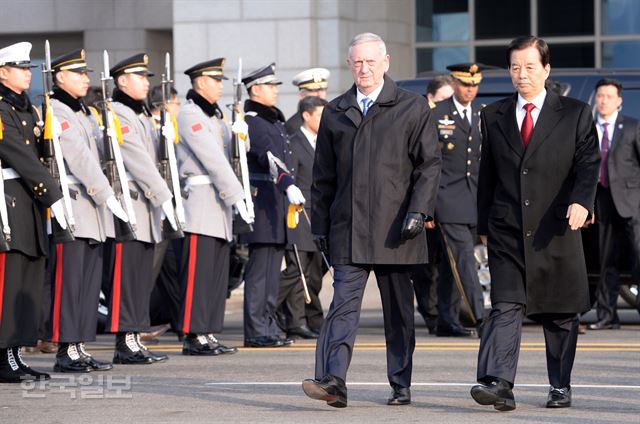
[549, 117]
[302, 140]
[349, 105]
[509, 126]
[617, 133]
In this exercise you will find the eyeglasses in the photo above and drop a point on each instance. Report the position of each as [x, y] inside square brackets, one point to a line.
[174, 102]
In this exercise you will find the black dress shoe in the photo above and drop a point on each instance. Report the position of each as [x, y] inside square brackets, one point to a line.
[559, 398]
[331, 389]
[93, 363]
[10, 372]
[219, 347]
[604, 325]
[400, 396]
[262, 341]
[498, 393]
[31, 373]
[128, 352]
[198, 345]
[302, 332]
[284, 341]
[69, 360]
[446, 331]
[155, 357]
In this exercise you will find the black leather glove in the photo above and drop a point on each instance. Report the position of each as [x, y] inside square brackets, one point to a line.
[412, 226]
[322, 243]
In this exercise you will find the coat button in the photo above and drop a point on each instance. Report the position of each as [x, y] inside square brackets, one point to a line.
[148, 195]
[468, 162]
[469, 149]
[528, 233]
[468, 174]
[525, 171]
[24, 123]
[527, 202]
[470, 138]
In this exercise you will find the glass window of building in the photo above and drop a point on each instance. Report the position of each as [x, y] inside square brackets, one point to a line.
[621, 54]
[502, 18]
[566, 17]
[492, 55]
[437, 59]
[578, 55]
[620, 17]
[442, 20]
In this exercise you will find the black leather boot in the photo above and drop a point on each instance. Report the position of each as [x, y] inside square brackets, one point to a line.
[68, 359]
[94, 364]
[10, 372]
[128, 352]
[38, 375]
[155, 357]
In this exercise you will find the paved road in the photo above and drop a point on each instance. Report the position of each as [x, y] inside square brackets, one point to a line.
[264, 385]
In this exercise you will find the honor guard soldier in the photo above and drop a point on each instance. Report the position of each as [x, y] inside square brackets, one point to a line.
[303, 320]
[28, 189]
[268, 160]
[77, 265]
[212, 189]
[133, 260]
[312, 82]
[458, 121]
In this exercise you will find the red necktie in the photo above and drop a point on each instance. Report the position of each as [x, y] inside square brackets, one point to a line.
[526, 131]
[604, 152]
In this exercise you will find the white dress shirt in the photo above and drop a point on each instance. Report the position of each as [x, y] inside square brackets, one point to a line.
[311, 137]
[538, 101]
[461, 109]
[373, 96]
[610, 128]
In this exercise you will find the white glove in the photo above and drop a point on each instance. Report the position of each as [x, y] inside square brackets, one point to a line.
[116, 209]
[168, 213]
[111, 132]
[180, 214]
[241, 207]
[57, 211]
[295, 195]
[56, 127]
[168, 131]
[241, 128]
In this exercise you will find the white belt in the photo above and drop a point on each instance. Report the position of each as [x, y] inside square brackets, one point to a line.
[197, 180]
[72, 180]
[9, 174]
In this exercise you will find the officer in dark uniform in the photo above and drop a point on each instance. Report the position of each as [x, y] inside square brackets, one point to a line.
[269, 162]
[458, 122]
[77, 265]
[310, 82]
[28, 190]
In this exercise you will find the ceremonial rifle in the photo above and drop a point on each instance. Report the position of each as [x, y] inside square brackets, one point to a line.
[52, 153]
[239, 156]
[168, 167]
[112, 163]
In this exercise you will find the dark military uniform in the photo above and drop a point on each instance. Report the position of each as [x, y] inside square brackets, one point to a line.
[269, 237]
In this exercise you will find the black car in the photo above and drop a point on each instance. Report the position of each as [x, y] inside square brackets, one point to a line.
[577, 83]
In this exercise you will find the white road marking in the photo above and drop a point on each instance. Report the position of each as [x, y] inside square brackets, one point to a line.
[362, 383]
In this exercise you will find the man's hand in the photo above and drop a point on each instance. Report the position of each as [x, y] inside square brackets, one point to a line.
[577, 215]
[483, 239]
[116, 209]
[295, 195]
[412, 226]
[168, 131]
[241, 207]
[321, 242]
[240, 128]
[591, 221]
[57, 210]
[169, 214]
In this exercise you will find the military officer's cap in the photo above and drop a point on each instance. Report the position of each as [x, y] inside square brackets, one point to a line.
[467, 73]
[312, 79]
[211, 68]
[16, 55]
[73, 61]
[137, 64]
[266, 75]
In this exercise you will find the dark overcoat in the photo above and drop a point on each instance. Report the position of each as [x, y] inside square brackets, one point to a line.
[460, 144]
[302, 155]
[370, 171]
[267, 134]
[624, 167]
[523, 196]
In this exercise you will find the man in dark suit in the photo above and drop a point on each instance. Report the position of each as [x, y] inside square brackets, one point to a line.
[618, 196]
[311, 83]
[375, 179]
[537, 186]
[458, 121]
[303, 320]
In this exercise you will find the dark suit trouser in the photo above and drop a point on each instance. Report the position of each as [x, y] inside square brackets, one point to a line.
[337, 336]
[204, 274]
[291, 293]
[75, 290]
[131, 286]
[21, 283]
[261, 283]
[500, 344]
[457, 251]
[425, 281]
[612, 231]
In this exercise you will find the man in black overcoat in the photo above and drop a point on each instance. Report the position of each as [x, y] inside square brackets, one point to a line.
[375, 180]
[537, 186]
